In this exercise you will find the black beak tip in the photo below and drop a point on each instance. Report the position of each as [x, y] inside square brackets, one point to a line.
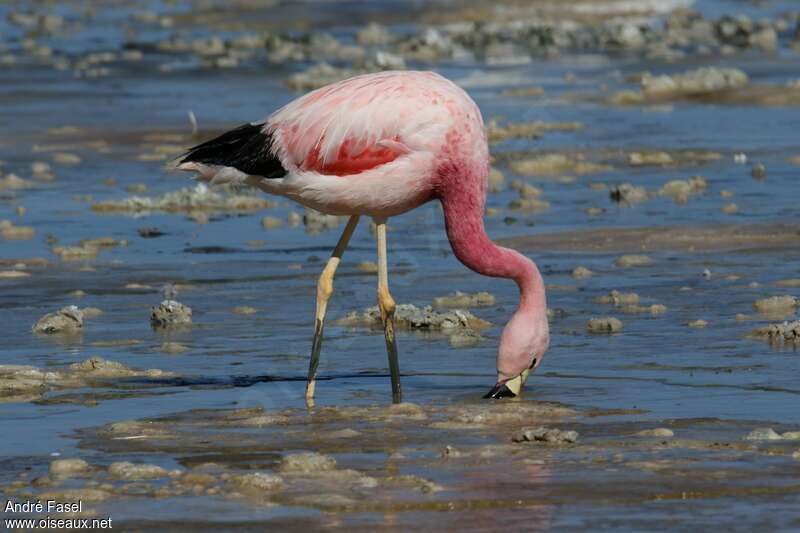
[500, 390]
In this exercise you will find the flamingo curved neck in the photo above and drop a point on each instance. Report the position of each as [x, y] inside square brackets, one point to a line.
[463, 215]
[525, 337]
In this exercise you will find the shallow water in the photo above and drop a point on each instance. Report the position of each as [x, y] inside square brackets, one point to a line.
[710, 385]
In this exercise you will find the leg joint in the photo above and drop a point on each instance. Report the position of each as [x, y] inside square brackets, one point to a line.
[325, 282]
[386, 303]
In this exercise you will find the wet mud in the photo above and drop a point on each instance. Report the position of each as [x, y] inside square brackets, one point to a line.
[156, 332]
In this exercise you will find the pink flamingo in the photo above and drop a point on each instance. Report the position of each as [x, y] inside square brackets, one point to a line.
[380, 145]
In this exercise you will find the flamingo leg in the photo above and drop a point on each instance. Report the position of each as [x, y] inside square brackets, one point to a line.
[386, 305]
[324, 292]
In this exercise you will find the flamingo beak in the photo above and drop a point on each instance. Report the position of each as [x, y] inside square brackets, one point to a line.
[509, 387]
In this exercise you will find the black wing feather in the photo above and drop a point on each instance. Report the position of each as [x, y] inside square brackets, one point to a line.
[247, 148]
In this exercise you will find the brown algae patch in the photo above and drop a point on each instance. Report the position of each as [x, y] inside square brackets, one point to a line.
[529, 198]
[14, 274]
[693, 83]
[555, 165]
[763, 434]
[323, 73]
[11, 232]
[529, 205]
[87, 248]
[69, 468]
[269, 223]
[65, 158]
[650, 158]
[525, 190]
[628, 302]
[730, 208]
[527, 130]
[135, 430]
[316, 222]
[421, 484]
[169, 314]
[460, 326]
[778, 306]
[618, 298]
[307, 463]
[496, 180]
[626, 261]
[67, 320]
[628, 194]
[707, 85]
[125, 470]
[680, 190]
[91, 312]
[604, 325]
[199, 198]
[581, 272]
[653, 309]
[656, 432]
[406, 411]
[99, 368]
[26, 383]
[75, 253]
[782, 333]
[14, 182]
[545, 435]
[86, 495]
[370, 267]
[412, 317]
[257, 482]
[461, 299]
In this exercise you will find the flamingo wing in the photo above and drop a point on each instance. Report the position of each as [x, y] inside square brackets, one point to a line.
[341, 129]
[361, 123]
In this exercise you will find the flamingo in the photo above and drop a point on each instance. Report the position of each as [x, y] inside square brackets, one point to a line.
[380, 145]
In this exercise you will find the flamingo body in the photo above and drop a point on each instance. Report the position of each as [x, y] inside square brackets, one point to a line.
[368, 145]
[380, 145]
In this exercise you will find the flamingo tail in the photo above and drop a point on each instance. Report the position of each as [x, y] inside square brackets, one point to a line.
[234, 155]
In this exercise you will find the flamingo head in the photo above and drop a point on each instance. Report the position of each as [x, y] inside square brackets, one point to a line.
[524, 341]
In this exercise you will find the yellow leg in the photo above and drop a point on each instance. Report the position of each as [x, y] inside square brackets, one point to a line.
[386, 306]
[324, 291]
